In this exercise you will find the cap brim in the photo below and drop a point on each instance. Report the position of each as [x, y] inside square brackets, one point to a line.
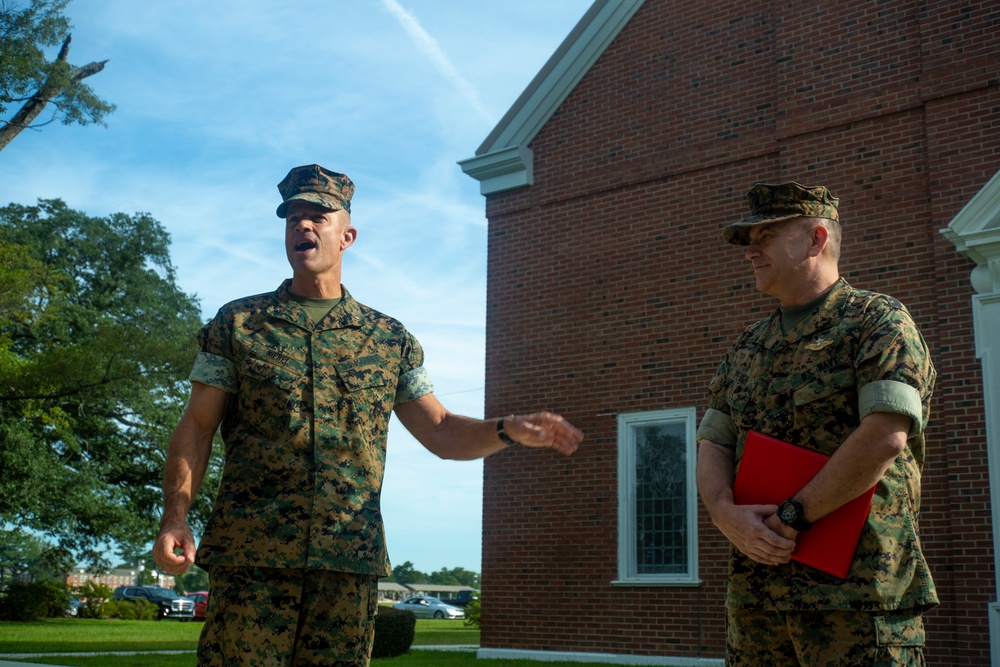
[738, 233]
[313, 197]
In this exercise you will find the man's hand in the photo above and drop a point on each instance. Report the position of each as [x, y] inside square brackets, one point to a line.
[751, 529]
[543, 429]
[170, 539]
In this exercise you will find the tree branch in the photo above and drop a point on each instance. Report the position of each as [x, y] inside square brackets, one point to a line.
[37, 102]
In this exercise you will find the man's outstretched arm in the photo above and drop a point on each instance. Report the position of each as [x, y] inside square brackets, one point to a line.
[452, 436]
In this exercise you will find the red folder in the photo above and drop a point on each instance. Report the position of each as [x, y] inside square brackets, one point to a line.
[771, 471]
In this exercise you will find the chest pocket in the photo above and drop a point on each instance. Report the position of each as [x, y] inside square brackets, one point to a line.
[368, 386]
[271, 396]
[748, 386]
[825, 402]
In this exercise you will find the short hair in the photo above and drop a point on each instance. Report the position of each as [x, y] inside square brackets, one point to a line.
[835, 237]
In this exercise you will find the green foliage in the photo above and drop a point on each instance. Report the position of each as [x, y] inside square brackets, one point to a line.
[26, 30]
[95, 598]
[34, 601]
[394, 632]
[131, 610]
[96, 341]
[19, 552]
[458, 576]
[406, 574]
[474, 613]
[195, 579]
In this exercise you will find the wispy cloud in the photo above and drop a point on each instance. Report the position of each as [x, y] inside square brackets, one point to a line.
[430, 48]
[253, 92]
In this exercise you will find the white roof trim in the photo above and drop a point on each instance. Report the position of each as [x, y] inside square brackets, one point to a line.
[975, 232]
[504, 161]
[503, 169]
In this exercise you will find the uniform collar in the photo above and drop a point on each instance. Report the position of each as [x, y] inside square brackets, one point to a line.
[346, 314]
[826, 315]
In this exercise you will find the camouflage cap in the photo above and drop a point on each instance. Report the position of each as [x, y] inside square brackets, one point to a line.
[315, 184]
[782, 201]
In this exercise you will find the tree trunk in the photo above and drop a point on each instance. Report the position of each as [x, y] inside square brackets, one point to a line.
[48, 92]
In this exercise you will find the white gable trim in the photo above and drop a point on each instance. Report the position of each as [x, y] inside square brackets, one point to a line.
[504, 161]
[975, 232]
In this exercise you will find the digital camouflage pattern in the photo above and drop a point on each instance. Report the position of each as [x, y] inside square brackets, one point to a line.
[802, 387]
[253, 619]
[304, 431]
[318, 185]
[783, 201]
[755, 638]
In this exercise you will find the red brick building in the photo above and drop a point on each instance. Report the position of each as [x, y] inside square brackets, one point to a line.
[612, 295]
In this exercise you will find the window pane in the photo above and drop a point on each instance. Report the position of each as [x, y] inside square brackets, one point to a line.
[661, 499]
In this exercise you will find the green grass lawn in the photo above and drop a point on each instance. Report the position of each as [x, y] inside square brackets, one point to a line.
[77, 634]
[81, 635]
[416, 658]
[432, 632]
[68, 635]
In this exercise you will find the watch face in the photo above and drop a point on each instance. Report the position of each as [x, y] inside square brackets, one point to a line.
[787, 512]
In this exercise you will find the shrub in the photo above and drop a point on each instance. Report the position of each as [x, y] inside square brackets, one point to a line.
[95, 597]
[394, 629]
[131, 610]
[34, 601]
[473, 613]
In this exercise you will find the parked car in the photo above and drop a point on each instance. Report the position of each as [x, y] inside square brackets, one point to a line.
[171, 604]
[462, 598]
[74, 606]
[200, 604]
[428, 607]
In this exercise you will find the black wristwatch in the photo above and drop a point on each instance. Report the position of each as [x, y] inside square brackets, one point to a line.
[791, 514]
[502, 434]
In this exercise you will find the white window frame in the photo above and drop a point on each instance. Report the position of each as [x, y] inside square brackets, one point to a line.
[627, 567]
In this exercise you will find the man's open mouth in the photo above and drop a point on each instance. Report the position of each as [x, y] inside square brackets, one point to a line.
[303, 246]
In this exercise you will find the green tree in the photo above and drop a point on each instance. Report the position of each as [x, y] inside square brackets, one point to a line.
[458, 576]
[29, 82]
[24, 555]
[406, 574]
[19, 550]
[96, 340]
[195, 579]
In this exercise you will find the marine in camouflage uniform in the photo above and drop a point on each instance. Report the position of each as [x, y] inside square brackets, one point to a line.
[809, 376]
[302, 382]
[305, 432]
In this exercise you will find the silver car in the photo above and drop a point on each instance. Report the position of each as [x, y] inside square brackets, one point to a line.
[428, 607]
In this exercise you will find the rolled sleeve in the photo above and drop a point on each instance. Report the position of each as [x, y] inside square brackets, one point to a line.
[413, 385]
[892, 396]
[716, 426]
[215, 371]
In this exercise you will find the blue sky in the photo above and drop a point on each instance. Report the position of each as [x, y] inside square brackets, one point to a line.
[218, 100]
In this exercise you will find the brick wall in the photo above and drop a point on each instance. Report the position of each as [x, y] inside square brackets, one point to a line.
[610, 289]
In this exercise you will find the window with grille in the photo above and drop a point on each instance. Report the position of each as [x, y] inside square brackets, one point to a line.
[657, 498]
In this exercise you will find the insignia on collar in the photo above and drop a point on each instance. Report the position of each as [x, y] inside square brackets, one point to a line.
[818, 344]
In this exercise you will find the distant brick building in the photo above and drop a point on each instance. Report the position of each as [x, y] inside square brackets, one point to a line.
[612, 295]
[79, 576]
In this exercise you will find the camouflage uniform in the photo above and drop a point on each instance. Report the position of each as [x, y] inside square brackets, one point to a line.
[806, 387]
[305, 434]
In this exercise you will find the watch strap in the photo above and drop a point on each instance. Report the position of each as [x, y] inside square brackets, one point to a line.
[502, 434]
[798, 521]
